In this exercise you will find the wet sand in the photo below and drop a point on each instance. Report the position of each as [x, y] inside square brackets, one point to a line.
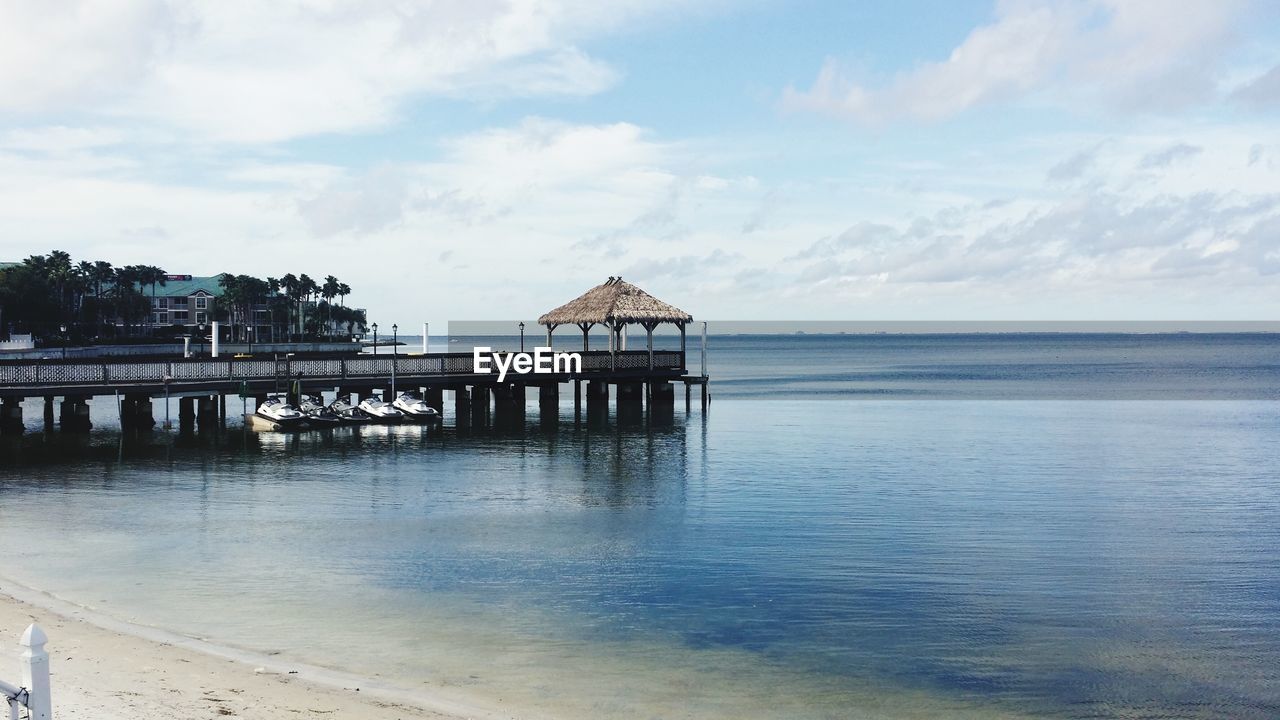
[111, 670]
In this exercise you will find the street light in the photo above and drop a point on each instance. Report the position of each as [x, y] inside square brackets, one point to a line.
[63, 327]
[375, 338]
[395, 335]
[521, 336]
[201, 338]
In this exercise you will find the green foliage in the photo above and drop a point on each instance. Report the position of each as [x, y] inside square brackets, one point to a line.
[96, 301]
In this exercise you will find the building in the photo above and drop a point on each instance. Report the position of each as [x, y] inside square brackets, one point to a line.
[183, 300]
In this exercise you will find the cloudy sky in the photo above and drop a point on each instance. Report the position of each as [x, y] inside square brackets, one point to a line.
[763, 159]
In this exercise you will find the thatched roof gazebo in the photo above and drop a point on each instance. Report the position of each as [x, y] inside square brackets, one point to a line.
[616, 304]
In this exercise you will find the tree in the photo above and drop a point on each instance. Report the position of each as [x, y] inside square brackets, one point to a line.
[329, 291]
[290, 285]
[306, 288]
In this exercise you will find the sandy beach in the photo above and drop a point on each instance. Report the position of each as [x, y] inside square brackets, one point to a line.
[111, 670]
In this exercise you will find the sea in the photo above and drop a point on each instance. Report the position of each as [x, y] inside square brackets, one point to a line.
[1013, 525]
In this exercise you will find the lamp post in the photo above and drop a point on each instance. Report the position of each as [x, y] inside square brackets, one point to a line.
[63, 327]
[395, 335]
[249, 334]
[201, 338]
[521, 336]
[375, 338]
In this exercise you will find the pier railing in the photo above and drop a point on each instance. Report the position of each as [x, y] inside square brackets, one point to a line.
[33, 694]
[110, 372]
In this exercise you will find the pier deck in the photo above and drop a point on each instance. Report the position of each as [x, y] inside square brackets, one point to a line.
[257, 375]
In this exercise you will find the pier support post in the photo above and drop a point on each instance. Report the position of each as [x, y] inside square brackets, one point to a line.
[706, 396]
[206, 410]
[549, 404]
[630, 402]
[186, 412]
[11, 416]
[577, 401]
[502, 406]
[597, 400]
[461, 408]
[662, 401]
[48, 413]
[518, 401]
[688, 394]
[74, 415]
[480, 406]
[434, 397]
[136, 413]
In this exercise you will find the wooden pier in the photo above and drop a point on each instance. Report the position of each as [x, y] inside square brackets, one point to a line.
[202, 385]
[642, 379]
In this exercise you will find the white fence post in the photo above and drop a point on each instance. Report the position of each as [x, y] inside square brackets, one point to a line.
[35, 673]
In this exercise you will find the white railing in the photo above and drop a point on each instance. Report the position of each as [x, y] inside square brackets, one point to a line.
[34, 693]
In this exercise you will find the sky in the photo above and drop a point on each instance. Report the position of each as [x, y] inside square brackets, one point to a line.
[753, 160]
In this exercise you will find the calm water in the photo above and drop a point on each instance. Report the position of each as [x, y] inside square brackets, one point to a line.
[862, 526]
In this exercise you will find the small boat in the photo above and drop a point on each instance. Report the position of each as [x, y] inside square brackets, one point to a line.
[346, 412]
[379, 411]
[415, 408]
[317, 413]
[283, 415]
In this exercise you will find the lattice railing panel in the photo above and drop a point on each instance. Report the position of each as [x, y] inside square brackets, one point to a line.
[364, 367]
[316, 368]
[419, 365]
[251, 369]
[201, 370]
[138, 371]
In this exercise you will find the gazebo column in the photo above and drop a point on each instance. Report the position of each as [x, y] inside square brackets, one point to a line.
[649, 325]
[682, 362]
[550, 329]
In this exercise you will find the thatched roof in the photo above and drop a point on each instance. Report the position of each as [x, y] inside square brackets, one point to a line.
[615, 302]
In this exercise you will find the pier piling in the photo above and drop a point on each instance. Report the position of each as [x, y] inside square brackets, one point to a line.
[630, 402]
[11, 416]
[186, 413]
[136, 412]
[434, 397]
[74, 414]
[549, 404]
[480, 413]
[462, 407]
[597, 400]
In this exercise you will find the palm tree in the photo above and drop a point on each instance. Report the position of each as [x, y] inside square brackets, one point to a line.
[343, 291]
[152, 275]
[61, 274]
[307, 288]
[329, 291]
[102, 273]
[289, 284]
[130, 302]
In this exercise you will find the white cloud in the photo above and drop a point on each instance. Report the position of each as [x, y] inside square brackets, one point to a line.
[1128, 54]
[1261, 93]
[248, 71]
[1168, 155]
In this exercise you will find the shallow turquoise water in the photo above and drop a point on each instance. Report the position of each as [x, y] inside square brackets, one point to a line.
[786, 555]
